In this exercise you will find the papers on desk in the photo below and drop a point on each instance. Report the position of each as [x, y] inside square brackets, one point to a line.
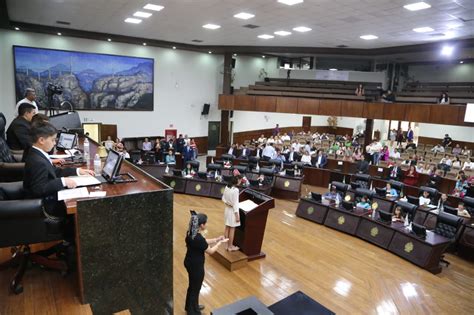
[247, 205]
[435, 211]
[59, 156]
[86, 180]
[431, 206]
[79, 193]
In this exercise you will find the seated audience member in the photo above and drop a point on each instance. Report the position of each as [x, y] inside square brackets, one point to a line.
[435, 178]
[398, 215]
[269, 151]
[390, 192]
[443, 98]
[321, 159]
[395, 154]
[232, 150]
[363, 203]
[245, 153]
[432, 170]
[189, 171]
[456, 162]
[438, 148]
[121, 149]
[306, 158]
[333, 194]
[360, 90]
[259, 151]
[146, 145]
[188, 153]
[170, 158]
[109, 144]
[388, 97]
[411, 176]
[443, 201]
[457, 150]
[261, 139]
[425, 169]
[271, 140]
[447, 141]
[385, 154]
[357, 155]
[410, 145]
[285, 137]
[468, 165]
[425, 198]
[461, 186]
[395, 172]
[292, 156]
[18, 133]
[42, 179]
[465, 151]
[280, 156]
[362, 165]
[462, 212]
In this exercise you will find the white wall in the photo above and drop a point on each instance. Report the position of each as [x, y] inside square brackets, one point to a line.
[183, 82]
[457, 133]
[354, 76]
[442, 73]
[247, 69]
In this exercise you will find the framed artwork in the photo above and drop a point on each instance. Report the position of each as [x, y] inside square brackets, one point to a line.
[88, 81]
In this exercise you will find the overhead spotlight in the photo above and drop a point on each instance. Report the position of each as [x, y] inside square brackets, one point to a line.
[144, 44]
[59, 34]
[333, 69]
[461, 61]
[368, 37]
[174, 47]
[210, 52]
[17, 28]
[263, 56]
[417, 6]
[109, 40]
[290, 2]
[132, 20]
[265, 36]
[235, 55]
[447, 50]
[211, 26]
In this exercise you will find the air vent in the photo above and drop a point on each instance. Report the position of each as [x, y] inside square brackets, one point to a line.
[342, 46]
[251, 26]
[63, 22]
[197, 41]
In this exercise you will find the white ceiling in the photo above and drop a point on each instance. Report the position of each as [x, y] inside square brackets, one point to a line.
[333, 22]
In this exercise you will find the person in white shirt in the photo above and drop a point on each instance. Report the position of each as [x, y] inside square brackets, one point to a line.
[30, 97]
[109, 143]
[395, 154]
[306, 158]
[122, 151]
[285, 137]
[262, 139]
[425, 199]
[269, 151]
[146, 146]
[438, 149]
[468, 165]
[270, 140]
[446, 160]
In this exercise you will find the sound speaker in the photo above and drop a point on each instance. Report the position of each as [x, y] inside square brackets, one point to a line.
[205, 109]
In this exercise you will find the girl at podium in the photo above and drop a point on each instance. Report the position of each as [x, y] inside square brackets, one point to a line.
[231, 211]
[197, 245]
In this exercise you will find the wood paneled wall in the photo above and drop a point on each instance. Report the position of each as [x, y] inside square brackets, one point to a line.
[425, 113]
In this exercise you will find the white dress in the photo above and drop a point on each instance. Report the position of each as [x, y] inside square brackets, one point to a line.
[231, 197]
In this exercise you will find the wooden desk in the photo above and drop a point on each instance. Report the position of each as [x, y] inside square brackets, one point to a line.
[376, 232]
[178, 183]
[287, 187]
[343, 220]
[311, 210]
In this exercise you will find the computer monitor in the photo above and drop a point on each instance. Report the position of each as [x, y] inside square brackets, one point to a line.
[202, 175]
[385, 216]
[450, 210]
[112, 165]
[317, 197]
[380, 191]
[347, 205]
[66, 141]
[178, 173]
[418, 229]
[254, 182]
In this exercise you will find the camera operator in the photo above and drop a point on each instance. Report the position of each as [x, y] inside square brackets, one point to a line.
[30, 97]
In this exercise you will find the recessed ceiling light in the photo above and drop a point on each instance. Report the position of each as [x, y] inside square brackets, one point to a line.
[447, 50]
[423, 29]
[211, 26]
[244, 16]
[263, 56]
[302, 29]
[265, 36]
[142, 14]
[417, 6]
[461, 61]
[290, 2]
[133, 21]
[368, 37]
[210, 52]
[144, 44]
[333, 69]
[153, 7]
[17, 28]
[109, 40]
[282, 33]
[235, 55]
[59, 34]
[174, 47]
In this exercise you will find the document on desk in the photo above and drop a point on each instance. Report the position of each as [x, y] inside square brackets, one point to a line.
[247, 205]
[59, 156]
[73, 193]
[87, 180]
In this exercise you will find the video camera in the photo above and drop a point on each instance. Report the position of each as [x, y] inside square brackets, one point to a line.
[54, 89]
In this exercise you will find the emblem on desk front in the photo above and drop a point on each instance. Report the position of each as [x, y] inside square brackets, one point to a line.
[408, 247]
[222, 190]
[172, 184]
[287, 183]
[374, 232]
[198, 187]
[341, 220]
[310, 210]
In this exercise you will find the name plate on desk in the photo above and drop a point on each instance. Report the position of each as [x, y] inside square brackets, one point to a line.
[340, 163]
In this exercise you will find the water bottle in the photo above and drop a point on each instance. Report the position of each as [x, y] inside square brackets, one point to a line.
[97, 164]
[167, 170]
[86, 149]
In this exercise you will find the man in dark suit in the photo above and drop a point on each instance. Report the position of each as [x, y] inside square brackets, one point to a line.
[293, 156]
[320, 159]
[258, 151]
[188, 154]
[18, 133]
[362, 165]
[395, 172]
[244, 153]
[42, 179]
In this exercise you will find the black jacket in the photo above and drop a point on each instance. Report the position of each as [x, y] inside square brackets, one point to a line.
[43, 180]
[18, 134]
[398, 175]
[363, 167]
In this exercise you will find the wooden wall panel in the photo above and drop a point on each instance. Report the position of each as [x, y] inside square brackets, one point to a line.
[373, 110]
[330, 107]
[308, 106]
[226, 102]
[265, 103]
[202, 144]
[352, 108]
[418, 113]
[244, 102]
[394, 111]
[287, 105]
[444, 114]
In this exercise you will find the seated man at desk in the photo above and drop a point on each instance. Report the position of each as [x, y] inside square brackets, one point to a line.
[333, 195]
[425, 199]
[462, 212]
[362, 165]
[321, 159]
[364, 203]
[390, 192]
[395, 172]
[170, 158]
[292, 156]
[398, 215]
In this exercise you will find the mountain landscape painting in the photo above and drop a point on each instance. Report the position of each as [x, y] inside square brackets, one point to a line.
[89, 81]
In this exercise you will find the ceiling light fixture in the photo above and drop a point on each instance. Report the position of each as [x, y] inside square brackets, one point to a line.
[263, 56]
[333, 69]
[461, 61]
[424, 29]
[17, 28]
[235, 55]
[132, 20]
[368, 37]
[59, 34]
[210, 52]
[417, 6]
[265, 36]
[211, 26]
[142, 14]
[447, 50]
[244, 15]
[109, 40]
[302, 29]
[290, 2]
[282, 33]
[144, 44]
[174, 47]
[153, 7]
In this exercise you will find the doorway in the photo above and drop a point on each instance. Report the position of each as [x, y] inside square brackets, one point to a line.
[306, 123]
[213, 134]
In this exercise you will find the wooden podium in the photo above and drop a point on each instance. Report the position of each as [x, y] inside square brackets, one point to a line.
[249, 235]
